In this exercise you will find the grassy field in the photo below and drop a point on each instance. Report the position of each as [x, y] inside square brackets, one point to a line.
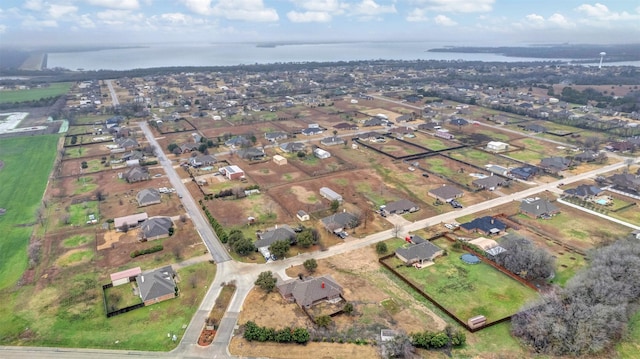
[55, 89]
[468, 290]
[27, 164]
[76, 241]
[72, 314]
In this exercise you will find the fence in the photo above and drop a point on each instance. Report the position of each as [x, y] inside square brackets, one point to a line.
[119, 311]
[434, 302]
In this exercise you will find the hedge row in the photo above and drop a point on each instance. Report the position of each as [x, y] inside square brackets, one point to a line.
[156, 248]
[217, 227]
[437, 340]
[252, 332]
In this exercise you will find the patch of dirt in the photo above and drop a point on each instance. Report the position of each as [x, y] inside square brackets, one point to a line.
[303, 195]
[110, 239]
[239, 346]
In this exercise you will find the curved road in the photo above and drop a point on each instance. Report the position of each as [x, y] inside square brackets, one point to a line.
[244, 274]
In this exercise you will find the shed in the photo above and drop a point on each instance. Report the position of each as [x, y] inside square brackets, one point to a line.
[232, 172]
[302, 215]
[330, 194]
[279, 160]
[131, 221]
[124, 277]
[477, 321]
[496, 146]
[320, 153]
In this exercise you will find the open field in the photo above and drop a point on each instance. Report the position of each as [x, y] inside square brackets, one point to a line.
[467, 290]
[27, 164]
[71, 313]
[34, 94]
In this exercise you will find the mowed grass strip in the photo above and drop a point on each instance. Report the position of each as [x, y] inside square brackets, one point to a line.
[467, 290]
[27, 164]
[34, 94]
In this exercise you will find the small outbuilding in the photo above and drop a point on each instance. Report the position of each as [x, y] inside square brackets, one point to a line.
[279, 160]
[330, 194]
[125, 276]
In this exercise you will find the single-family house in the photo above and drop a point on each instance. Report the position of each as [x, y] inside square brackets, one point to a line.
[538, 208]
[584, 191]
[586, 156]
[275, 136]
[374, 121]
[134, 155]
[332, 141]
[155, 228]
[458, 122]
[340, 221]
[127, 143]
[232, 172]
[292, 147]
[252, 154]
[372, 136]
[237, 142]
[157, 285]
[497, 146]
[148, 196]
[330, 194]
[535, 128]
[524, 173]
[310, 291]
[626, 182]
[490, 183]
[486, 225]
[400, 207]
[419, 253]
[136, 174]
[202, 160]
[126, 222]
[346, 126]
[311, 131]
[555, 164]
[189, 147]
[446, 193]
[279, 233]
[499, 170]
[320, 153]
[302, 215]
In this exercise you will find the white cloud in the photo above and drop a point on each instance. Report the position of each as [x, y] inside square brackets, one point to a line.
[418, 15]
[597, 10]
[331, 6]
[444, 21]
[600, 12]
[246, 10]
[115, 4]
[31, 22]
[58, 11]
[119, 17]
[465, 6]
[371, 8]
[34, 5]
[308, 16]
[3, 28]
[85, 21]
[535, 21]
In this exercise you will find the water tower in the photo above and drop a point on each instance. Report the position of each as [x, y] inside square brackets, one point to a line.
[602, 55]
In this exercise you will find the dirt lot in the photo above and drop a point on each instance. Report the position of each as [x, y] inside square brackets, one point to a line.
[365, 286]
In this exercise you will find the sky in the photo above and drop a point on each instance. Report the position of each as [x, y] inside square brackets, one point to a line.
[458, 22]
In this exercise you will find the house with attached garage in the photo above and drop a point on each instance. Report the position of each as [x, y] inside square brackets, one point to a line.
[155, 228]
[584, 192]
[202, 160]
[311, 291]
[252, 154]
[136, 174]
[400, 207]
[157, 285]
[332, 141]
[312, 131]
[340, 221]
[420, 253]
[489, 183]
[446, 193]
[555, 164]
[275, 136]
[486, 225]
[148, 196]
[292, 147]
[346, 126]
[538, 208]
[267, 238]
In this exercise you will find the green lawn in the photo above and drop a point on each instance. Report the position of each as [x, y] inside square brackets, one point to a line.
[34, 94]
[84, 185]
[468, 290]
[472, 156]
[433, 144]
[438, 165]
[121, 296]
[79, 213]
[72, 314]
[76, 241]
[527, 156]
[630, 347]
[27, 164]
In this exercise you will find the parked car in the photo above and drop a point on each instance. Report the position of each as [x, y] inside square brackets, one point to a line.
[455, 204]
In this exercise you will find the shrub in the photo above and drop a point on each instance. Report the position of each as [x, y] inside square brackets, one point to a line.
[156, 248]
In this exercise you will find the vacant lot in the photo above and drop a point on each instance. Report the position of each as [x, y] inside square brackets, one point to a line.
[27, 164]
[34, 94]
[467, 290]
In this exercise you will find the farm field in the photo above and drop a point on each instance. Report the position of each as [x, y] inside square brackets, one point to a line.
[34, 94]
[467, 290]
[27, 162]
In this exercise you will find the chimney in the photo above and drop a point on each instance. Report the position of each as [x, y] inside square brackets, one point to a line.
[322, 285]
[538, 207]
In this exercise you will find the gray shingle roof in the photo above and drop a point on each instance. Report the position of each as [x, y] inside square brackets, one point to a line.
[157, 283]
[267, 238]
[311, 290]
[538, 207]
[148, 196]
[156, 226]
[423, 251]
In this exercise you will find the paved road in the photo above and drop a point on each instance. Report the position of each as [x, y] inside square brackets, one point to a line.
[218, 252]
[114, 96]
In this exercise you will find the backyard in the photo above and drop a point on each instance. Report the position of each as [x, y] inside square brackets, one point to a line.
[467, 290]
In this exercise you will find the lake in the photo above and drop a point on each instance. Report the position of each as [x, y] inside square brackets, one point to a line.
[228, 54]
